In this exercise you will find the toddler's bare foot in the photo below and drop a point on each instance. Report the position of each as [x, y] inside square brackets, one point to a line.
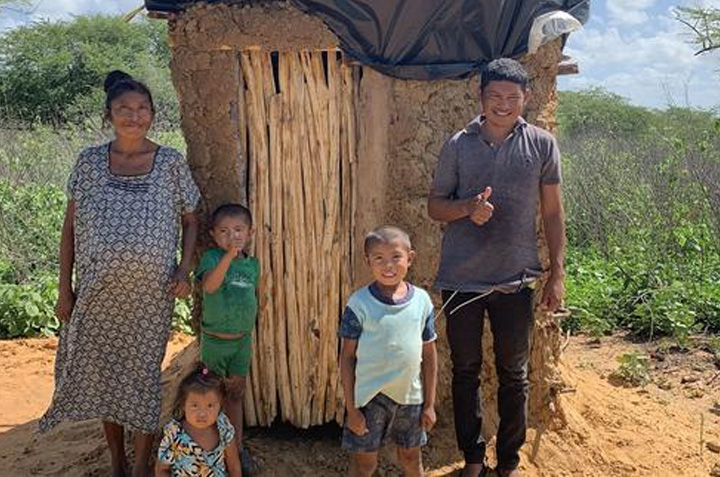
[119, 469]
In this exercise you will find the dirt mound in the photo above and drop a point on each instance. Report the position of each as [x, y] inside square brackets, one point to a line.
[611, 430]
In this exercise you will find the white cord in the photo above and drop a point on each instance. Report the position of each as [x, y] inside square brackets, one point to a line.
[447, 302]
[482, 295]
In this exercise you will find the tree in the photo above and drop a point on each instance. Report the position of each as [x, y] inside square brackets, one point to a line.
[595, 110]
[53, 72]
[705, 26]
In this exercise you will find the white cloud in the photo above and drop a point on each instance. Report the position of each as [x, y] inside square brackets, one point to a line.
[56, 10]
[65, 9]
[629, 12]
[652, 64]
[612, 48]
[651, 88]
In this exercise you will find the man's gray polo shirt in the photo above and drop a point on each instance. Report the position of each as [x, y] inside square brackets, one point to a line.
[504, 249]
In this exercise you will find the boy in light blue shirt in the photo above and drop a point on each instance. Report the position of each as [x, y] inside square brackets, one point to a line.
[388, 360]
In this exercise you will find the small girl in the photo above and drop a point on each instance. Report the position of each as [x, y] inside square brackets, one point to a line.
[199, 440]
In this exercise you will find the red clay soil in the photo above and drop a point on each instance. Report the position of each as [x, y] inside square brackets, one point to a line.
[671, 427]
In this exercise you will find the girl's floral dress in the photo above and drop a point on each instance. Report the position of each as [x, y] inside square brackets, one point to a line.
[185, 456]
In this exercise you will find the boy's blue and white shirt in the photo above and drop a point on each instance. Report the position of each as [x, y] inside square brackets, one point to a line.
[390, 338]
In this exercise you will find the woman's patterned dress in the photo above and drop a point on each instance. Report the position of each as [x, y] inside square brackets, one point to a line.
[127, 231]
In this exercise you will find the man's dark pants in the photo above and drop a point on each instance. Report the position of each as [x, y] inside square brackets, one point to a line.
[511, 322]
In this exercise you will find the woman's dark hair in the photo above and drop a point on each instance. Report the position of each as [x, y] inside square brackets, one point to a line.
[200, 380]
[118, 83]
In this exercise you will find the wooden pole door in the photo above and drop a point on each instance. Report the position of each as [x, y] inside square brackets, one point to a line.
[298, 129]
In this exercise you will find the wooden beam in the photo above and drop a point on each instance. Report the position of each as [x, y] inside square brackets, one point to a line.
[568, 66]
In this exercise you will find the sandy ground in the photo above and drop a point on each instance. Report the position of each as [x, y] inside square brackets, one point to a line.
[671, 427]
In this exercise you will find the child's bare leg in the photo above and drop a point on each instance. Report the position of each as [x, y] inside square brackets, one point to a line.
[114, 435]
[234, 406]
[410, 460]
[143, 447]
[363, 464]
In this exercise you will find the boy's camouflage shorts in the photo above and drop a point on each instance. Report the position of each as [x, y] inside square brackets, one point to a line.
[386, 421]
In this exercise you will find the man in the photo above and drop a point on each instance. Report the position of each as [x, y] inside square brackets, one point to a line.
[489, 180]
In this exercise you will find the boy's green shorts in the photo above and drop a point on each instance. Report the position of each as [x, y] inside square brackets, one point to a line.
[227, 357]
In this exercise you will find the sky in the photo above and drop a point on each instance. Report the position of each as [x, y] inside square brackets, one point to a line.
[633, 48]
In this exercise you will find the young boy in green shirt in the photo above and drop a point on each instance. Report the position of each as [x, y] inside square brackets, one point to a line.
[229, 279]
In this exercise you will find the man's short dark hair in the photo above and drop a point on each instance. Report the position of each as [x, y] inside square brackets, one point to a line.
[386, 234]
[504, 69]
[231, 210]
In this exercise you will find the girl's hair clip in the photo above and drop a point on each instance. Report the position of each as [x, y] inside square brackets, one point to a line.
[204, 371]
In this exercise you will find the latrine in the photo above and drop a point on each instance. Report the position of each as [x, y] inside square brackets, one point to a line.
[323, 147]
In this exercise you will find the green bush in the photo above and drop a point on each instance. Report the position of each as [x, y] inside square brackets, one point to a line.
[182, 316]
[42, 155]
[28, 309]
[53, 72]
[31, 218]
[643, 217]
[593, 290]
[633, 369]
[597, 110]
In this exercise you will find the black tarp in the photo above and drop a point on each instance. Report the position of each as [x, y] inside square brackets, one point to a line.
[426, 39]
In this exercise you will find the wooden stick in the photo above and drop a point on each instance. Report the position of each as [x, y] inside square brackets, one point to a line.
[281, 337]
[254, 115]
[256, 83]
[269, 386]
[242, 131]
[312, 186]
[332, 121]
[259, 60]
[315, 272]
[306, 317]
[274, 257]
[289, 206]
[346, 187]
[702, 433]
[280, 332]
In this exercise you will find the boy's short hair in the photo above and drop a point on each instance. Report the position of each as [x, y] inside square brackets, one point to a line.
[231, 210]
[504, 69]
[386, 234]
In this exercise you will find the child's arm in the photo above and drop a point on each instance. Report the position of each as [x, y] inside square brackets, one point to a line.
[429, 380]
[356, 419]
[232, 459]
[213, 279]
[165, 455]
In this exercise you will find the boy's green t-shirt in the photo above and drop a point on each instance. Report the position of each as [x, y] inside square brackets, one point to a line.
[233, 307]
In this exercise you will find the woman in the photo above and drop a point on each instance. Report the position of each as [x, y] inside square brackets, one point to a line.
[127, 200]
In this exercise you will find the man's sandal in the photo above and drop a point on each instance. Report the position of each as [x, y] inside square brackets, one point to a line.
[508, 473]
[484, 472]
